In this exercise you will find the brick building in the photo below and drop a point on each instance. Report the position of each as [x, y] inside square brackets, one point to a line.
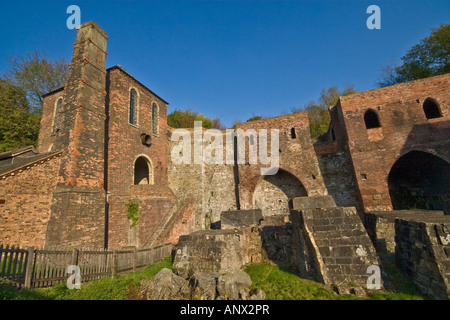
[104, 142]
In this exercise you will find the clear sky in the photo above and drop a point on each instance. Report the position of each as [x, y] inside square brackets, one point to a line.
[232, 59]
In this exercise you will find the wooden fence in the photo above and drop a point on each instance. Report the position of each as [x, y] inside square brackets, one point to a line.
[32, 268]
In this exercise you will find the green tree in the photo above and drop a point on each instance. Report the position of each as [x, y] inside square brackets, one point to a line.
[430, 57]
[318, 113]
[18, 126]
[36, 74]
[185, 119]
[254, 118]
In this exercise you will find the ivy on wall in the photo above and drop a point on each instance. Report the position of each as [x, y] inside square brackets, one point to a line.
[133, 213]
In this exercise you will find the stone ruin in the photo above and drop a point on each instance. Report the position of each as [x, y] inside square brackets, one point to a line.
[322, 242]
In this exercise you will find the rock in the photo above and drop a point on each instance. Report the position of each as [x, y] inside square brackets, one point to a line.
[233, 284]
[359, 292]
[257, 294]
[204, 285]
[165, 285]
[229, 284]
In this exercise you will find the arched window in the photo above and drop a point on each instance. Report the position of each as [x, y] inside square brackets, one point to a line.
[133, 107]
[293, 135]
[155, 119]
[431, 109]
[142, 171]
[56, 116]
[371, 119]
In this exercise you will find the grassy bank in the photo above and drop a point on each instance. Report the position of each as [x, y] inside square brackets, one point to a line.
[277, 283]
[282, 284]
[117, 288]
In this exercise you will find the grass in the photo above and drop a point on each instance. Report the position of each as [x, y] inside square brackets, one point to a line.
[277, 283]
[283, 284]
[117, 288]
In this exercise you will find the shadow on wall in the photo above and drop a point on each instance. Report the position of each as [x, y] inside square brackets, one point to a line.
[420, 178]
[273, 192]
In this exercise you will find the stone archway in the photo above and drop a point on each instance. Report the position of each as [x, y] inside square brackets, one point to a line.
[420, 180]
[273, 192]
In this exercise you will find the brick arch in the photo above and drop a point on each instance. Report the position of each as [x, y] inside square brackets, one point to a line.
[431, 108]
[273, 192]
[420, 180]
[139, 170]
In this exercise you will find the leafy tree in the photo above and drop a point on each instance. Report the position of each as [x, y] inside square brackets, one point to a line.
[186, 118]
[254, 118]
[318, 114]
[18, 126]
[430, 57]
[37, 75]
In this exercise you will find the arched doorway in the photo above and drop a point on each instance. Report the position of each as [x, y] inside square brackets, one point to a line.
[273, 192]
[420, 180]
[143, 172]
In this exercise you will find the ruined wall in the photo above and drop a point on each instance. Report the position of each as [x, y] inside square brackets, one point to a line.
[25, 199]
[337, 172]
[204, 189]
[404, 127]
[296, 156]
[124, 146]
[423, 251]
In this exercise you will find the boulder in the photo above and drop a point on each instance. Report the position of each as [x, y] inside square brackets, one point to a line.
[204, 285]
[233, 284]
[165, 285]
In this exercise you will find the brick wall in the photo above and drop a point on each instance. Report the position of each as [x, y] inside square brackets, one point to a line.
[155, 200]
[404, 128]
[296, 156]
[25, 200]
[78, 203]
[46, 135]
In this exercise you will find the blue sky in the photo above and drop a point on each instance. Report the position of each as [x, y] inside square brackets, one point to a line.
[232, 59]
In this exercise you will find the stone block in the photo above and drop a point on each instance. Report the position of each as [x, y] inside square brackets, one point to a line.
[240, 218]
[301, 203]
[208, 251]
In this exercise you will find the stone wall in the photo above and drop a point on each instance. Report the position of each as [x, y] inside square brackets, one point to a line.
[380, 225]
[210, 187]
[209, 251]
[332, 246]
[423, 254]
[338, 176]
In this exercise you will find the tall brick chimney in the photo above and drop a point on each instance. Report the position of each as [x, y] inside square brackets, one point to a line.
[78, 205]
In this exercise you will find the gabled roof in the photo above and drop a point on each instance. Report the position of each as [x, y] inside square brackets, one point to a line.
[20, 159]
[118, 67]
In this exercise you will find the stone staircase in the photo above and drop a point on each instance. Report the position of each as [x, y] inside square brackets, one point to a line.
[331, 244]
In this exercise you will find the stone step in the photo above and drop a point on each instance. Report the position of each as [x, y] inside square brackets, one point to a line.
[341, 248]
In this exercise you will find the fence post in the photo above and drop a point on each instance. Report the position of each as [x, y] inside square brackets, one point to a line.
[74, 257]
[134, 259]
[114, 263]
[29, 268]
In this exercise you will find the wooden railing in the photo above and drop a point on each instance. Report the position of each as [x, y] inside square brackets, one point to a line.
[34, 267]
